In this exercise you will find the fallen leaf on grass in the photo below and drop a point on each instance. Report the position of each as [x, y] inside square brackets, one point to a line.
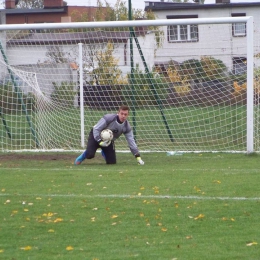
[14, 212]
[225, 219]
[27, 248]
[199, 216]
[197, 189]
[156, 189]
[49, 214]
[251, 244]
[58, 220]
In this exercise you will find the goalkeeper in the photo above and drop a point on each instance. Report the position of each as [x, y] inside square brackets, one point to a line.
[118, 124]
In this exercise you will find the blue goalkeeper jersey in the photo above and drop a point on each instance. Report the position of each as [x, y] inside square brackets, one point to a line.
[110, 121]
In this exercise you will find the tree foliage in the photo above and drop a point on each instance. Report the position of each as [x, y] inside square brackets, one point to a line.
[145, 87]
[107, 12]
[206, 69]
[56, 54]
[107, 71]
[119, 12]
[31, 4]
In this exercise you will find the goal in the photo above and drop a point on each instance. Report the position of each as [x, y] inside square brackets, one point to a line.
[190, 85]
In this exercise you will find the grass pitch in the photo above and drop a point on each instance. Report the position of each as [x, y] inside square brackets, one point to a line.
[194, 206]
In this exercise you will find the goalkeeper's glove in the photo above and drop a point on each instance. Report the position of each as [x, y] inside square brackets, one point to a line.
[104, 143]
[139, 160]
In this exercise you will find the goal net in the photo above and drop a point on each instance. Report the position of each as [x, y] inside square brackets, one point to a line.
[192, 85]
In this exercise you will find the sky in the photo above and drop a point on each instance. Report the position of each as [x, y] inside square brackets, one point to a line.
[138, 4]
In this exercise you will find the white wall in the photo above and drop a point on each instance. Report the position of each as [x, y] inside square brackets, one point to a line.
[36, 54]
[214, 40]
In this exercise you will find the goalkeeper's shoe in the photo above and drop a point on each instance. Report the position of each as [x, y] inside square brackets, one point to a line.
[81, 158]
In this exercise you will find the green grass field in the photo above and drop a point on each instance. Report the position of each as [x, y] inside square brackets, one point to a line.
[194, 206]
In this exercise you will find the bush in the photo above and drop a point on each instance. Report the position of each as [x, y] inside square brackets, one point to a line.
[146, 89]
[64, 94]
[12, 100]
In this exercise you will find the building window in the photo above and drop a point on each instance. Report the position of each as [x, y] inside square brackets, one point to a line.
[239, 65]
[182, 33]
[238, 29]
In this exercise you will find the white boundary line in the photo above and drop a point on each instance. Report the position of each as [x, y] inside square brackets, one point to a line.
[127, 196]
[93, 168]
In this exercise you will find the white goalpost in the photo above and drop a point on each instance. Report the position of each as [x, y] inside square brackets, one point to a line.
[191, 85]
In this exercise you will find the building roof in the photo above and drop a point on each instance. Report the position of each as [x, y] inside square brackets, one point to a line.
[35, 38]
[161, 6]
[62, 9]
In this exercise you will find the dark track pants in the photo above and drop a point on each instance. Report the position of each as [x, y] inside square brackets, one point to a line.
[92, 146]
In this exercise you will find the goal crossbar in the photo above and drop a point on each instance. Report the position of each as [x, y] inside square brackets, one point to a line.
[133, 23]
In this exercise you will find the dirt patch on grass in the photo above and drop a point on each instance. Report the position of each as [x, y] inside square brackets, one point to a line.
[39, 157]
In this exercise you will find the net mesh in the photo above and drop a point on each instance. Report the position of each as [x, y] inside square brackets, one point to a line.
[185, 91]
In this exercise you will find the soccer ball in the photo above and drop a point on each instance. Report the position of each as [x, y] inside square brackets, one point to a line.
[106, 135]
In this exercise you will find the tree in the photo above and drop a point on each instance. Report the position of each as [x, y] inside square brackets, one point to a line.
[107, 12]
[56, 54]
[119, 12]
[31, 4]
[107, 71]
[100, 65]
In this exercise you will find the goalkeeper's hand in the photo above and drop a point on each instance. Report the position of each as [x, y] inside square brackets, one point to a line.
[104, 143]
[139, 160]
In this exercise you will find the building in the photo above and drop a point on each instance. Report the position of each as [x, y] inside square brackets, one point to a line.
[186, 42]
[53, 12]
[54, 55]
